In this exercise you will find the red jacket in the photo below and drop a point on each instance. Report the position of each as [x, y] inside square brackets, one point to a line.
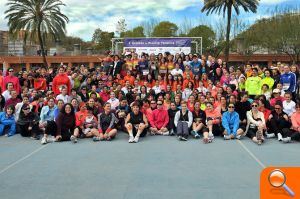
[15, 82]
[160, 118]
[40, 84]
[60, 80]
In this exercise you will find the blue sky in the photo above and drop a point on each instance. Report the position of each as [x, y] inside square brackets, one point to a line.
[85, 16]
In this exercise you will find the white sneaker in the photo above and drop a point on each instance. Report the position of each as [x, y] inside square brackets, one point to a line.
[238, 137]
[270, 135]
[211, 136]
[286, 140]
[227, 137]
[136, 139]
[279, 135]
[73, 139]
[166, 133]
[131, 138]
[44, 140]
[51, 139]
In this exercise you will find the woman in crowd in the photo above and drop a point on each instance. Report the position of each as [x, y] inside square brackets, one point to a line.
[255, 124]
[28, 123]
[231, 124]
[277, 122]
[136, 124]
[213, 122]
[171, 113]
[199, 123]
[289, 106]
[7, 122]
[106, 124]
[294, 132]
[66, 124]
[183, 122]
[47, 123]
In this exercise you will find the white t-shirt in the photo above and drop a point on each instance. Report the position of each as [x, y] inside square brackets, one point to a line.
[6, 95]
[176, 72]
[64, 98]
[289, 108]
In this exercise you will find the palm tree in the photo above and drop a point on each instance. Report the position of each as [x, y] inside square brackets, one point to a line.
[38, 19]
[226, 6]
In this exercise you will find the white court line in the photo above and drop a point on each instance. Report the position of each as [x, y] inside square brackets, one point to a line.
[252, 155]
[22, 159]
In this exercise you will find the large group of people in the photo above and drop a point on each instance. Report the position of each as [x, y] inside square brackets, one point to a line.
[169, 95]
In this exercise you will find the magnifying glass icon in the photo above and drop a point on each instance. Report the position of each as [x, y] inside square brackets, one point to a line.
[277, 179]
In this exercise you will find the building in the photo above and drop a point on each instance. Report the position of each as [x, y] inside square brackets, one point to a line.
[16, 47]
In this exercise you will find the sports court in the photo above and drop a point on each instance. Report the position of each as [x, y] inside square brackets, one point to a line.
[156, 167]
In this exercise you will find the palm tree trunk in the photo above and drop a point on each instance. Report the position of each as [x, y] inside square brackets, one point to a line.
[229, 10]
[42, 46]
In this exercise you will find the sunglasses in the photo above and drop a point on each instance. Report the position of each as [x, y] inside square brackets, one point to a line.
[10, 71]
[254, 105]
[277, 108]
[230, 106]
[26, 109]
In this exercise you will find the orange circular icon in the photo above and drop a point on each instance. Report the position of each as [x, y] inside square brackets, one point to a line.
[277, 178]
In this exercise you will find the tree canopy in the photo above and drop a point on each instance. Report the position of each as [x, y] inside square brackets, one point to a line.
[165, 29]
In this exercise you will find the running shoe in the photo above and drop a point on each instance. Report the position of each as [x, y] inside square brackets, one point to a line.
[44, 140]
[73, 139]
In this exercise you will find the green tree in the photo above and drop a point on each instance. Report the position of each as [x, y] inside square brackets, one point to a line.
[226, 7]
[165, 29]
[136, 32]
[277, 34]
[38, 18]
[102, 39]
[207, 34]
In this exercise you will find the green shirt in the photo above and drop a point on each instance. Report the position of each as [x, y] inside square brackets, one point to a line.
[253, 85]
[269, 81]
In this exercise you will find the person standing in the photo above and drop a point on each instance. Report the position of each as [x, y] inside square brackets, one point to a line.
[13, 79]
[288, 81]
[253, 84]
[61, 80]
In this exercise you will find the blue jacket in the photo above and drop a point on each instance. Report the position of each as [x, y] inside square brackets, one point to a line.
[288, 81]
[7, 121]
[231, 122]
[196, 67]
[47, 114]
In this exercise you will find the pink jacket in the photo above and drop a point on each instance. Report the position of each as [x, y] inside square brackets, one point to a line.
[295, 118]
[160, 118]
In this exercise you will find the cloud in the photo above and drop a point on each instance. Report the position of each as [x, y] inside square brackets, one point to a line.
[85, 16]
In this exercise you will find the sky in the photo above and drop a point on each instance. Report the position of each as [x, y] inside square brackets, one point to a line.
[87, 15]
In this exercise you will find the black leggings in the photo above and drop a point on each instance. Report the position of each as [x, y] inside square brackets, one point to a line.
[50, 128]
[276, 126]
[23, 130]
[294, 135]
[66, 133]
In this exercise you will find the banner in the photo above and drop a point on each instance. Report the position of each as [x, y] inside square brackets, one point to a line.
[157, 45]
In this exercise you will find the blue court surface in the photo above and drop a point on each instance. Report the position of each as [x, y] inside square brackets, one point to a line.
[156, 167]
